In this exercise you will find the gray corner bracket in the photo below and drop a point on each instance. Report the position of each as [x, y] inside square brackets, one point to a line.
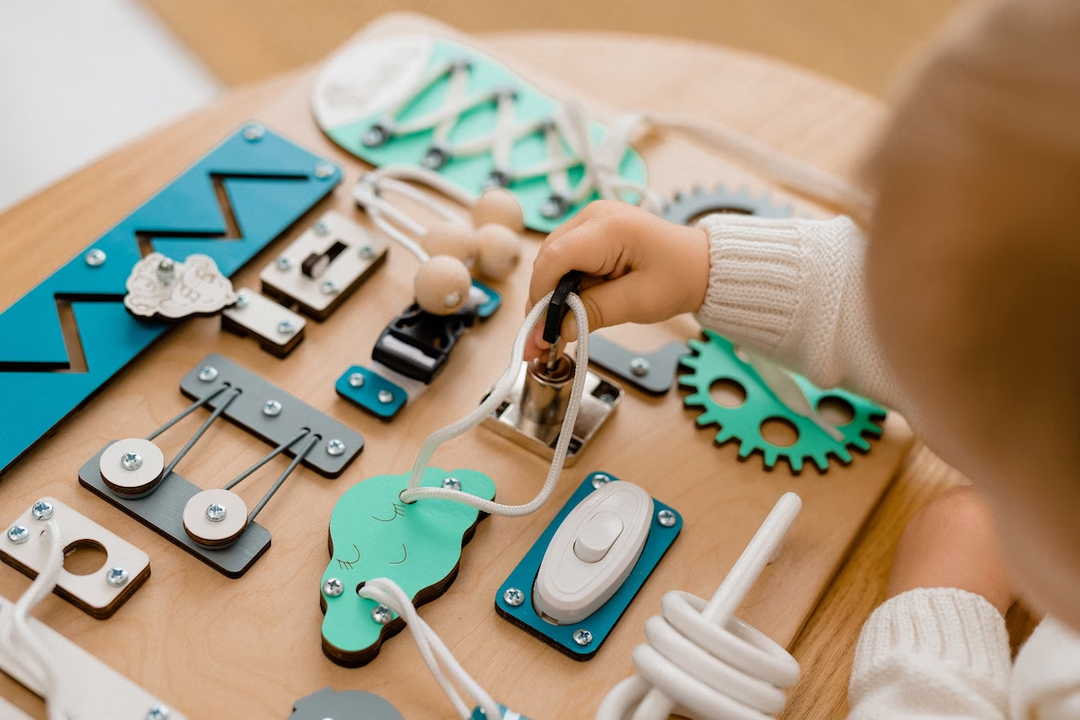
[652, 372]
[272, 414]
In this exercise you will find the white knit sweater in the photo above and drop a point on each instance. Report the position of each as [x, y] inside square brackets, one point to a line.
[792, 289]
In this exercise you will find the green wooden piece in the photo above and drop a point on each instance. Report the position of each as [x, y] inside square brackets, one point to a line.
[374, 534]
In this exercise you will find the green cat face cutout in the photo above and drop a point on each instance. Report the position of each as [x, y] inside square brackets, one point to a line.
[374, 534]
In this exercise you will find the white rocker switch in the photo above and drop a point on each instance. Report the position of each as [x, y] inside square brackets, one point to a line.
[592, 553]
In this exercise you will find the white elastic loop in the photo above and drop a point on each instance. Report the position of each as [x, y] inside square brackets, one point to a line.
[502, 388]
[17, 635]
[432, 648]
[701, 659]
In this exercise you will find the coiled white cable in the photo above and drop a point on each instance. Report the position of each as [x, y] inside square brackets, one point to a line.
[703, 660]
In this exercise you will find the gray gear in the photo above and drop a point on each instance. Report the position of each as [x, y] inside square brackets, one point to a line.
[684, 208]
[344, 705]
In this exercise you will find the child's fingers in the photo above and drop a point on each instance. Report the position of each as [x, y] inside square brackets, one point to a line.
[607, 304]
[582, 249]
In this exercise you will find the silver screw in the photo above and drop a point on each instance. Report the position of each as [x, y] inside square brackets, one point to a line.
[386, 397]
[600, 479]
[166, 269]
[117, 576]
[254, 132]
[639, 366]
[242, 300]
[335, 447]
[324, 169]
[583, 637]
[216, 512]
[451, 483]
[131, 461]
[381, 614]
[283, 263]
[271, 408]
[666, 518]
[367, 252]
[321, 228]
[356, 380]
[158, 712]
[332, 587]
[328, 287]
[18, 534]
[208, 373]
[286, 327]
[452, 300]
[513, 597]
[95, 257]
[42, 510]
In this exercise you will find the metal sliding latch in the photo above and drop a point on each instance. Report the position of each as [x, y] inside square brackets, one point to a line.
[534, 411]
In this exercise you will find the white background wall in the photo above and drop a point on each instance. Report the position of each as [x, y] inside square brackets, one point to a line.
[80, 78]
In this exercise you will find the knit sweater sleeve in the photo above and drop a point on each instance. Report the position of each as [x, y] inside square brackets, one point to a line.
[792, 289]
[926, 653]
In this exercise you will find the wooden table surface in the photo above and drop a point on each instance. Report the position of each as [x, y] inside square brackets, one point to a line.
[807, 116]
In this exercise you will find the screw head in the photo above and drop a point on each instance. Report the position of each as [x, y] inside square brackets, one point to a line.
[271, 408]
[328, 287]
[386, 397]
[513, 597]
[367, 252]
[555, 206]
[356, 380]
[666, 518]
[381, 614]
[335, 447]
[452, 300]
[18, 534]
[158, 712]
[451, 483]
[131, 461]
[375, 135]
[283, 263]
[166, 268]
[322, 228]
[286, 327]
[332, 587]
[600, 479]
[639, 366]
[254, 132]
[216, 512]
[42, 510]
[95, 257]
[324, 169]
[116, 576]
[434, 158]
[582, 637]
[208, 373]
[242, 300]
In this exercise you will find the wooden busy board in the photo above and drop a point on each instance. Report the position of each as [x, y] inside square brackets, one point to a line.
[247, 648]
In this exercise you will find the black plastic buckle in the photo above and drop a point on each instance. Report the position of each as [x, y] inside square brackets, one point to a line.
[417, 344]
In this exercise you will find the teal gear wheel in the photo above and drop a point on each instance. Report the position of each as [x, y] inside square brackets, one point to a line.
[715, 360]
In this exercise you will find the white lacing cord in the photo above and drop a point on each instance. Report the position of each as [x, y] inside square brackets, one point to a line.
[432, 649]
[17, 637]
[499, 393]
[703, 660]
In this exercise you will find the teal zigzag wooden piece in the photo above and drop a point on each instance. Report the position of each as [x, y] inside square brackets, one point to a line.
[373, 534]
[267, 184]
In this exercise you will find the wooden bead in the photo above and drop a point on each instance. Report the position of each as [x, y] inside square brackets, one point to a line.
[442, 285]
[498, 205]
[498, 250]
[447, 237]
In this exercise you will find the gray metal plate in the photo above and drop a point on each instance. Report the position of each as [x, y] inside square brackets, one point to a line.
[247, 412]
[655, 376]
[343, 705]
[163, 510]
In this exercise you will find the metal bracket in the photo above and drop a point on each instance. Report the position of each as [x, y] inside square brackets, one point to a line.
[598, 401]
[100, 593]
[277, 328]
[582, 641]
[651, 372]
[324, 266]
[371, 391]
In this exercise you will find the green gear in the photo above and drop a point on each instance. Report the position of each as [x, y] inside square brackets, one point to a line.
[715, 359]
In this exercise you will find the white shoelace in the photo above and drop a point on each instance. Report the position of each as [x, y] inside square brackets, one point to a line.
[17, 637]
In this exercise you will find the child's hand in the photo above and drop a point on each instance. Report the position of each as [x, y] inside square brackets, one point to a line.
[951, 543]
[638, 267]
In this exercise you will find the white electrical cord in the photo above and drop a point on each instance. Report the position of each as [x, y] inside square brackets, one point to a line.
[703, 660]
[17, 638]
[502, 388]
[432, 649]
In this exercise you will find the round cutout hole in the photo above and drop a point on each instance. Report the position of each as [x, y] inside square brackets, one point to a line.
[835, 410]
[727, 393]
[779, 432]
[84, 557]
